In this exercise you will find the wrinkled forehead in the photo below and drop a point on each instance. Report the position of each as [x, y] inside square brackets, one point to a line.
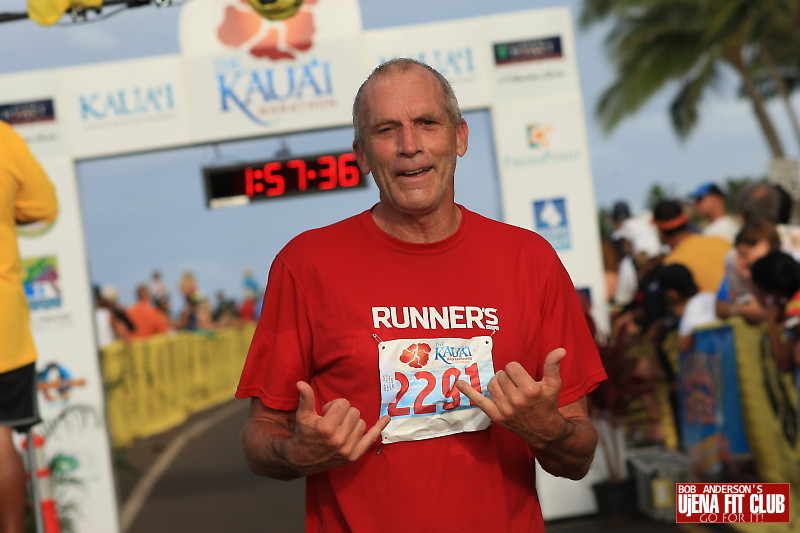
[420, 80]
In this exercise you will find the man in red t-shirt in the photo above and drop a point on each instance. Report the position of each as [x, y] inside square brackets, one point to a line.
[414, 360]
[147, 320]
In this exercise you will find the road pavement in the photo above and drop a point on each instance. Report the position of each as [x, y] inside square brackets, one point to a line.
[193, 479]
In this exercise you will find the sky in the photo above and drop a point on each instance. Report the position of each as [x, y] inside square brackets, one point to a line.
[143, 212]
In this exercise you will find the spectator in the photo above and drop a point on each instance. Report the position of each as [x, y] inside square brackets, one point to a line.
[709, 205]
[188, 286]
[124, 325]
[735, 295]
[109, 327]
[640, 241]
[772, 203]
[225, 311]
[703, 255]
[692, 307]
[26, 196]
[760, 200]
[777, 280]
[247, 310]
[620, 212]
[147, 320]
[249, 281]
[158, 289]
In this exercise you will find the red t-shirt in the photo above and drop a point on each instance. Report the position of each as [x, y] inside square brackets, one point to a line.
[332, 290]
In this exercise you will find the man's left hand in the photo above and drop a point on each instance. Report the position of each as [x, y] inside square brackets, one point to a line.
[523, 405]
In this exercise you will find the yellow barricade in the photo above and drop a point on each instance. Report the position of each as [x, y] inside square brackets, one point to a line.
[153, 385]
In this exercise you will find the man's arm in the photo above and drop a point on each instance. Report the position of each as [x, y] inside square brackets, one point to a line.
[563, 439]
[289, 444]
[36, 199]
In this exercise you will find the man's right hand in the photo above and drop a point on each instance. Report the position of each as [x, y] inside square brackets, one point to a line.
[288, 444]
[337, 437]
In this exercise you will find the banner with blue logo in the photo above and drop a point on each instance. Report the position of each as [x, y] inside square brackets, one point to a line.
[710, 414]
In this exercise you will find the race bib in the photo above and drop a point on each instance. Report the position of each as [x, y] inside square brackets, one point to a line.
[418, 386]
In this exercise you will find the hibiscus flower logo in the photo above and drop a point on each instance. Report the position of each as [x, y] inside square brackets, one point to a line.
[280, 39]
[416, 355]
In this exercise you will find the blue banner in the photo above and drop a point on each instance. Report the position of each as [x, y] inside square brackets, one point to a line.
[711, 424]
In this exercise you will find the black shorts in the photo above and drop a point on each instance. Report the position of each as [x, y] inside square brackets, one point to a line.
[18, 407]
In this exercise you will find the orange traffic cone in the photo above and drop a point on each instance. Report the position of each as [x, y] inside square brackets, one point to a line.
[40, 484]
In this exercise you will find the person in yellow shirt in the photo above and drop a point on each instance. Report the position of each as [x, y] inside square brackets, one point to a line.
[703, 255]
[26, 195]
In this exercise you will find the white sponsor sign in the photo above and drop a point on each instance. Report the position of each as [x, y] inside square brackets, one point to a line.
[213, 27]
[251, 76]
[546, 183]
[533, 54]
[240, 96]
[458, 50]
[29, 102]
[58, 293]
[124, 107]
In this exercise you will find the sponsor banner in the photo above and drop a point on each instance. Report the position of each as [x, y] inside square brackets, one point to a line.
[710, 411]
[240, 96]
[219, 27]
[551, 222]
[456, 49]
[728, 503]
[29, 102]
[251, 76]
[71, 393]
[532, 54]
[546, 183]
[126, 106]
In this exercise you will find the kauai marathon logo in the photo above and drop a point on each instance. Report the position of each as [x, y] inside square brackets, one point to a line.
[418, 355]
[291, 80]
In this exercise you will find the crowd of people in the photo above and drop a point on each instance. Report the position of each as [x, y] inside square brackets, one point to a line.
[687, 264]
[154, 311]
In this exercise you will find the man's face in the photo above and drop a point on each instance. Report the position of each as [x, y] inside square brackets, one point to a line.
[410, 143]
[746, 255]
[701, 206]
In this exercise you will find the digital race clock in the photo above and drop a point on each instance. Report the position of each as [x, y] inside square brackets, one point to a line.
[241, 184]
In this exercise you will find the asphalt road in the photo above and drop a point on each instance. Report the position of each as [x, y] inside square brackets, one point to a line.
[193, 480]
[205, 487]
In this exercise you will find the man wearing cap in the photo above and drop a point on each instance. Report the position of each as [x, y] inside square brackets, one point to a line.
[703, 255]
[709, 205]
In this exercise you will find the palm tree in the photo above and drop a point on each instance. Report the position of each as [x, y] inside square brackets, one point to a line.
[656, 43]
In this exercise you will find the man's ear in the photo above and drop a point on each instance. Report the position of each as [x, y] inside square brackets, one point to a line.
[361, 159]
[462, 138]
